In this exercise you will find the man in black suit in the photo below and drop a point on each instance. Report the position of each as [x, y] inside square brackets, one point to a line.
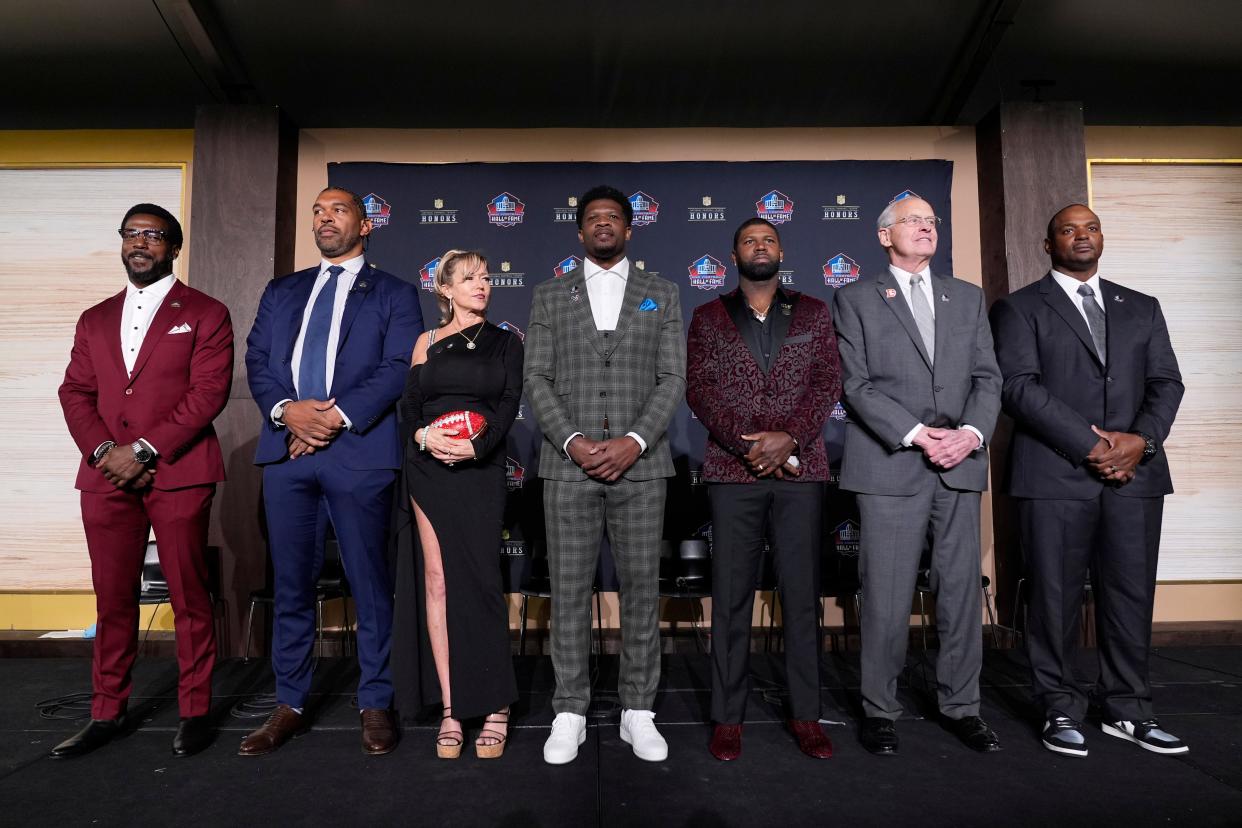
[1092, 384]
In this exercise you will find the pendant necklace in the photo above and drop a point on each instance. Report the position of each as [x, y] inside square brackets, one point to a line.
[761, 315]
[470, 342]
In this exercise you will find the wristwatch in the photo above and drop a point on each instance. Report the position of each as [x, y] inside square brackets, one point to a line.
[278, 413]
[142, 454]
[1149, 449]
[104, 447]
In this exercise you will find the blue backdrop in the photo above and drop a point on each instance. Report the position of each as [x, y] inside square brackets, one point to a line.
[522, 217]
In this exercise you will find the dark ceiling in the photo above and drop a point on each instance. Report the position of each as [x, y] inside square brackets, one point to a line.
[643, 63]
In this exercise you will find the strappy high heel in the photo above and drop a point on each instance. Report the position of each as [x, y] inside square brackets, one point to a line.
[448, 742]
[495, 746]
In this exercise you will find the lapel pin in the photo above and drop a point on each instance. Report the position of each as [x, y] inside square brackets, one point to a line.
[178, 304]
[363, 285]
[890, 293]
[786, 310]
[1117, 298]
[944, 297]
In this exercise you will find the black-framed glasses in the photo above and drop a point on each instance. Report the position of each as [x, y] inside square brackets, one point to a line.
[919, 221]
[131, 233]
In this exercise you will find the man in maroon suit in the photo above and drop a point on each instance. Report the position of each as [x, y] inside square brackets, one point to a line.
[762, 376]
[150, 369]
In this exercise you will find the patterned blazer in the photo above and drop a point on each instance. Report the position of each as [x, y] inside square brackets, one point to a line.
[577, 377]
[731, 394]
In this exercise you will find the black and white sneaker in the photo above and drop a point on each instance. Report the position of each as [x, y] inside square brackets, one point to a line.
[1064, 735]
[1146, 735]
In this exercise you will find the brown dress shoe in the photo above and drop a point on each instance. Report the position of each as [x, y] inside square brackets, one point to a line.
[379, 736]
[811, 739]
[281, 726]
[726, 742]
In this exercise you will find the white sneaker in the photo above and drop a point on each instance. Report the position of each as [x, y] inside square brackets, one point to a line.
[638, 729]
[568, 731]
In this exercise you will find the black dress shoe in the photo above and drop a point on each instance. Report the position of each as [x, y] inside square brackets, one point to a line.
[193, 734]
[975, 734]
[879, 736]
[95, 735]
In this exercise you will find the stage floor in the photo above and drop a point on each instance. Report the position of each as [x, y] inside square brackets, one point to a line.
[323, 778]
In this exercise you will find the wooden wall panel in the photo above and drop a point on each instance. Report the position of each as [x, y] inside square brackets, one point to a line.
[1171, 230]
[59, 228]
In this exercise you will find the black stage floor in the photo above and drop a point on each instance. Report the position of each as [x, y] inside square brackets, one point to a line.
[323, 778]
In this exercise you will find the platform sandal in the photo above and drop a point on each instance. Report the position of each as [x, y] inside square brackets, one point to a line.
[494, 747]
[448, 742]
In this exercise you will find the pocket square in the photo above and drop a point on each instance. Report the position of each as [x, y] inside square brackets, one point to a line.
[797, 340]
[184, 327]
[648, 305]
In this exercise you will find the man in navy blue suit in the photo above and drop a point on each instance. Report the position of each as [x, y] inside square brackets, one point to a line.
[327, 360]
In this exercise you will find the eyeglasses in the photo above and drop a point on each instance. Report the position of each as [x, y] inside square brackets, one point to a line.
[131, 233]
[919, 221]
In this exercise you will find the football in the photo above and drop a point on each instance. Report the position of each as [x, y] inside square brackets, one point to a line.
[461, 425]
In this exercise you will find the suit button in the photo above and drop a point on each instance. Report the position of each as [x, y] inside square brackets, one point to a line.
[937, 388]
[125, 423]
[607, 363]
[129, 392]
[1108, 379]
[284, 362]
[603, 393]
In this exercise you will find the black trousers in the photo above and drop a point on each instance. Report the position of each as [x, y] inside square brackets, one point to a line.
[789, 513]
[1119, 538]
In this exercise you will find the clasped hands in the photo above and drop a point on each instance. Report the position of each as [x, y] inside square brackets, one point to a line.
[946, 447]
[312, 424]
[769, 454]
[1115, 456]
[447, 448]
[604, 460]
[120, 469]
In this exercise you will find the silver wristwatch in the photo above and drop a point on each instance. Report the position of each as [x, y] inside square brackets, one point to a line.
[142, 454]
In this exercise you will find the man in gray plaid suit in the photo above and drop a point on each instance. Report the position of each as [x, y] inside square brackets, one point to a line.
[605, 371]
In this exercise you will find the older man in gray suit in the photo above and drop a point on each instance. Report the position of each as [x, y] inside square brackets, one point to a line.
[605, 371]
[922, 389]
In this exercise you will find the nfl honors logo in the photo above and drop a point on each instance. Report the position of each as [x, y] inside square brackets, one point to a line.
[437, 214]
[566, 215]
[515, 474]
[841, 211]
[505, 210]
[378, 210]
[707, 272]
[566, 266]
[506, 278]
[840, 270]
[706, 212]
[646, 209]
[846, 536]
[775, 207]
[427, 274]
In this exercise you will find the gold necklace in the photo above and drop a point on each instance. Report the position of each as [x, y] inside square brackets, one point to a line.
[470, 342]
[761, 315]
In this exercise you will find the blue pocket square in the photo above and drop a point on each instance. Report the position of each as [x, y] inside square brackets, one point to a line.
[648, 305]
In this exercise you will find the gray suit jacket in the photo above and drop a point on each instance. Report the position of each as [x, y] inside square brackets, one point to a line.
[576, 376]
[889, 384]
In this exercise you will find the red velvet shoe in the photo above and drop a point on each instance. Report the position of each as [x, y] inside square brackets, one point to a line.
[811, 739]
[727, 742]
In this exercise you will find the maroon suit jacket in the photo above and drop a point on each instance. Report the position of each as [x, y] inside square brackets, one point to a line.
[731, 394]
[180, 384]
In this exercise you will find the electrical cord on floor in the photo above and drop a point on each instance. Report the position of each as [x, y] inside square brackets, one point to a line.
[72, 706]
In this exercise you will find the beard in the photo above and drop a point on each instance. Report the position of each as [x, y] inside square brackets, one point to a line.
[159, 268]
[761, 272]
[335, 245]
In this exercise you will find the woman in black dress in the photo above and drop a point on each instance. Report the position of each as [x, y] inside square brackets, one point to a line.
[457, 492]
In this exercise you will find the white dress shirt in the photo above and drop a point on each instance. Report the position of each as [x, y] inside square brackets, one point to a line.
[903, 282]
[606, 292]
[1070, 285]
[344, 284]
[140, 307]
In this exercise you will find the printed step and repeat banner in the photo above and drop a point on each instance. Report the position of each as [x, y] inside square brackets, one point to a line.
[522, 216]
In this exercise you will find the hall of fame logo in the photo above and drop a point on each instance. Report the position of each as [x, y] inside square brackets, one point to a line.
[515, 474]
[775, 207]
[704, 532]
[505, 210]
[845, 537]
[707, 272]
[567, 266]
[646, 209]
[513, 329]
[838, 413]
[903, 195]
[378, 210]
[707, 211]
[507, 277]
[437, 214]
[840, 270]
[566, 215]
[841, 211]
[427, 274]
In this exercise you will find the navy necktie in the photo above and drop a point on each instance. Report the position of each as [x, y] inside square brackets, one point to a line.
[313, 372]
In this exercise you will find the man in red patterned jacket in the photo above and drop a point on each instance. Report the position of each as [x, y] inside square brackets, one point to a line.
[763, 375]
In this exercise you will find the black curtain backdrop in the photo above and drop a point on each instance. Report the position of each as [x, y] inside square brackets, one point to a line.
[522, 217]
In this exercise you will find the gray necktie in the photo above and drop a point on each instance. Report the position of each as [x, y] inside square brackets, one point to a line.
[1095, 320]
[923, 315]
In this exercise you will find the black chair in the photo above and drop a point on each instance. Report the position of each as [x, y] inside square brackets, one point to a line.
[537, 583]
[686, 574]
[922, 588]
[332, 585]
[838, 580]
[153, 586]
